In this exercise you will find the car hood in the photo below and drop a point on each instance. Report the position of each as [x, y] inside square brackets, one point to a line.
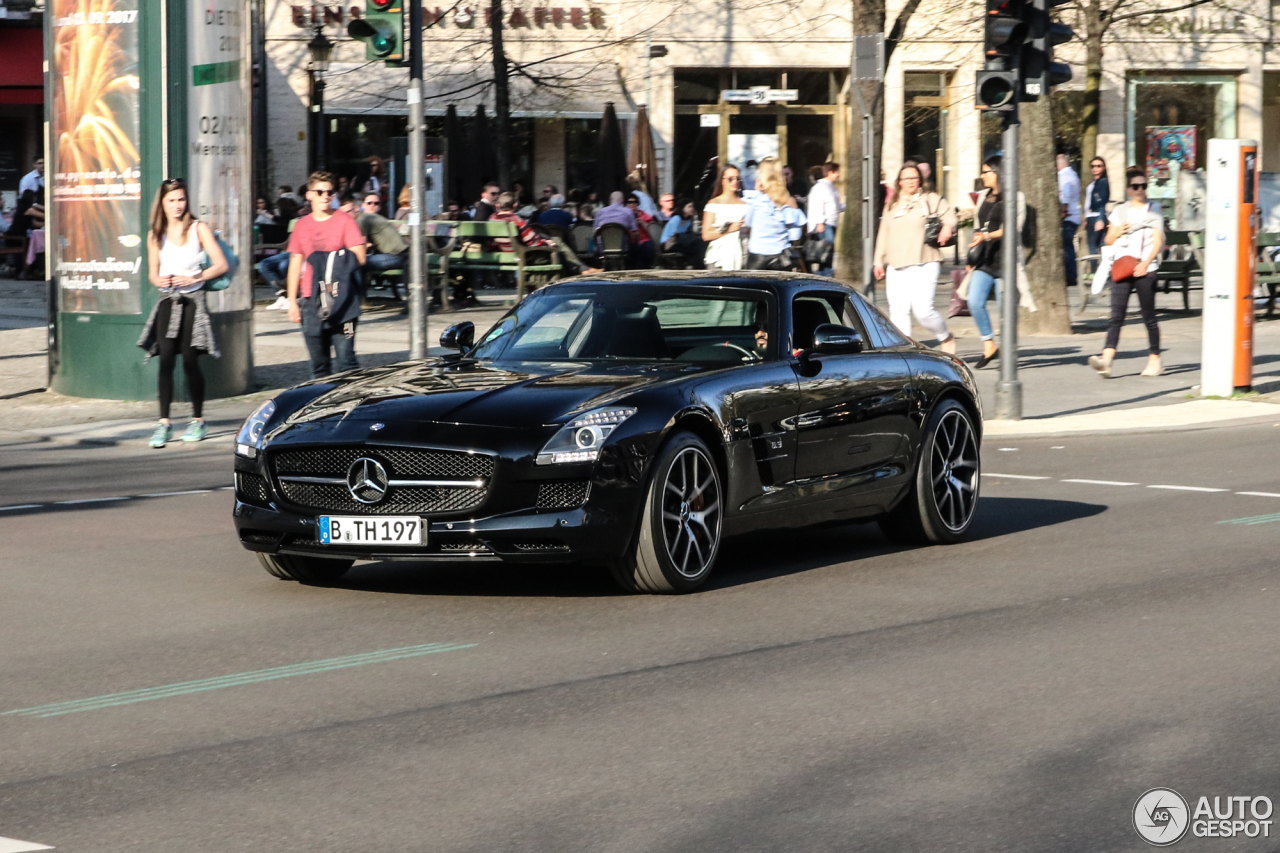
[516, 395]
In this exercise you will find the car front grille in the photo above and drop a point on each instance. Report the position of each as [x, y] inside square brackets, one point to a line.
[400, 464]
[424, 464]
[251, 488]
[409, 499]
[563, 494]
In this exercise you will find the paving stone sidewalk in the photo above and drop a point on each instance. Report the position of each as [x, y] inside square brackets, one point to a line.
[1061, 393]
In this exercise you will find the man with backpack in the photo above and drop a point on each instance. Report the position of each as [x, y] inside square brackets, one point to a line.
[326, 252]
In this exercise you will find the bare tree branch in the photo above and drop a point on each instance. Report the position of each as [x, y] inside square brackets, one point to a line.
[1115, 19]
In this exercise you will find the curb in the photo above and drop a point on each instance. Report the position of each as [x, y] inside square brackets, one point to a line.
[1177, 417]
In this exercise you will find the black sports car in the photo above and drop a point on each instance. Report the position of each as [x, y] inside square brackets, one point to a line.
[630, 421]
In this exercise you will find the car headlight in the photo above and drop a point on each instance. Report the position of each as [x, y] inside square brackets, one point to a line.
[580, 440]
[249, 440]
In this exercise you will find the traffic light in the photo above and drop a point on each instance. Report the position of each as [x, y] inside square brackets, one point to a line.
[1004, 33]
[1039, 71]
[382, 31]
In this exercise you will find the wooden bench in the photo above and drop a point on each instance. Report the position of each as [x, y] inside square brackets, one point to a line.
[1183, 261]
[1268, 271]
[472, 253]
[440, 239]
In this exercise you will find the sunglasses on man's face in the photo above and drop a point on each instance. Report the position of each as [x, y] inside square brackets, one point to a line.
[373, 204]
[1138, 185]
[324, 192]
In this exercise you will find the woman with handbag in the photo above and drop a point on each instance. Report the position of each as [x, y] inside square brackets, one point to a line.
[912, 230]
[183, 255]
[985, 256]
[1136, 235]
[774, 221]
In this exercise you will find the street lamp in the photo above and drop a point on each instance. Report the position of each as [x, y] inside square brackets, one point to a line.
[321, 49]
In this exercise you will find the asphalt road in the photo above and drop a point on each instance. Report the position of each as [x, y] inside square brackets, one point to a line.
[828, 692]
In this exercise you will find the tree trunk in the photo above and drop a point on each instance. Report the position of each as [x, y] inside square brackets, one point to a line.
[868, 18]
[501, 96]
[1092, 94]
[1039, 181]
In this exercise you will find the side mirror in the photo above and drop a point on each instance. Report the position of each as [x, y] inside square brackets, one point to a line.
[459, 336]
[830, 339]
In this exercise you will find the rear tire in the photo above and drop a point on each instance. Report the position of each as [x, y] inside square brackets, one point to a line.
[944, 495]
[314, 571]
[680, 522]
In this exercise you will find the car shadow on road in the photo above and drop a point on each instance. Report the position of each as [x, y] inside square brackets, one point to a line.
[744, 559]
[760, 556]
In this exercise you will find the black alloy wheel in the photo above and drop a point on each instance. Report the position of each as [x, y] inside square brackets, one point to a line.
[313, 571]
[944, 497]
[679, 537]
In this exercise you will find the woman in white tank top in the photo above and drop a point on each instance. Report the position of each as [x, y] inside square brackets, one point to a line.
[177, 246]
[722, 222]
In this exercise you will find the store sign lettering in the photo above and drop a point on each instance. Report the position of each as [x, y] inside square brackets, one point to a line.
[1203, 24]
[308, 16]
[541, 17]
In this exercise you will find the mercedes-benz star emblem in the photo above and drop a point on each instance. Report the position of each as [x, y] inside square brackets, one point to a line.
[367, 480]
[376, 427]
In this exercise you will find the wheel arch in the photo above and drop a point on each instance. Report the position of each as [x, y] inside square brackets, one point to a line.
[703, 424]
[962, 396]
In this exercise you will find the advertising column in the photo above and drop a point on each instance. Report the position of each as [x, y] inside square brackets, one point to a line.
[95, 221]
[219, 167]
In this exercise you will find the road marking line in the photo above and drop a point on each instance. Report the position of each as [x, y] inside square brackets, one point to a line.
[1188, 488]
[1101, 482]
[1260, 494]
[19, 506]
[13, 845]
[1014, 476]
[90, 501]
[172, 494]
[1254, 519]
[165, 691]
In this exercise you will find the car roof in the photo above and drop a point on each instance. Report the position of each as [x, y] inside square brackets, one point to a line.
[747, 279]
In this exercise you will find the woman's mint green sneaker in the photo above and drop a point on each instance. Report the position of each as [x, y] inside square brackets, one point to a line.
[196, 431]
[162, 434]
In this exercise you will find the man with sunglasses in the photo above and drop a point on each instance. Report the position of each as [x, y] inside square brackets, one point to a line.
[323, 230]
[1069, 203]
[389, 250]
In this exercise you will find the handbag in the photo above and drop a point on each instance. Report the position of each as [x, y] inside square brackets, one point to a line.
[1123, 267]
[933, 230]
[818, 251]
[223, 281]
[959, 304]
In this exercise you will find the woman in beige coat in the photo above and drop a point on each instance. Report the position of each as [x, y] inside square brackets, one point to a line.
[908, 265]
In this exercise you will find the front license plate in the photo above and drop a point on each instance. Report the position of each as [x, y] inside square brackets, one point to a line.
[372, 530]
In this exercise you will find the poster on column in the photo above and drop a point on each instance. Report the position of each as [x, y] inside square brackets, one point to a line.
[96, 189]
[219, 166]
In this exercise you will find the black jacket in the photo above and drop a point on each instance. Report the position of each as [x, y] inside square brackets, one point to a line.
[1099, 195]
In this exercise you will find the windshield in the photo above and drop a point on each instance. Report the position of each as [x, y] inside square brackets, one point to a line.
[643, 322]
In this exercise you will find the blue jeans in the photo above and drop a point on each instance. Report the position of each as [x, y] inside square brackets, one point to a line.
[275, 268]
[1094, 237]
[1069, 230]
[980, 286]
[828, 234]
[320, 336]
[379, 263]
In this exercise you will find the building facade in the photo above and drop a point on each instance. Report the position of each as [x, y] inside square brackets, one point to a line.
[744, 78]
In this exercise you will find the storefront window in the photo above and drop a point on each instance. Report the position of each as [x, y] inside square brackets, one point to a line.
[581, 142]
[1199, 107]
[924, 118]
[697, 87]
[695, 146]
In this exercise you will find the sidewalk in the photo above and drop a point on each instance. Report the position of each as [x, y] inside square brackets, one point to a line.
[28, 411]
[1061, 394]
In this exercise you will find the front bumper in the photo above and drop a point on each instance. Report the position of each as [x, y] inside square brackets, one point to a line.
[511, 522]
[537, 536]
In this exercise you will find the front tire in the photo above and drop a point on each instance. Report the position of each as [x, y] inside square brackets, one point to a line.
[944, 497]
[313, 571]
[679, 536]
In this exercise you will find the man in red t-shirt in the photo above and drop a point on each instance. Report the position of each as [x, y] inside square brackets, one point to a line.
[324, 230]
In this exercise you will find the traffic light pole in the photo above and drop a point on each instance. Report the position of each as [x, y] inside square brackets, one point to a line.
[417, 268]
[1009, 388]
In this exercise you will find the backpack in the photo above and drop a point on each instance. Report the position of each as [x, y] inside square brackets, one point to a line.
[336, 283]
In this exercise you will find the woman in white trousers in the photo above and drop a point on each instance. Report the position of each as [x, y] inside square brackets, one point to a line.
[908, 265]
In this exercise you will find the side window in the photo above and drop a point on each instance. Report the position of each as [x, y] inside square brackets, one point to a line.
[813, 308]
[883, 332]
